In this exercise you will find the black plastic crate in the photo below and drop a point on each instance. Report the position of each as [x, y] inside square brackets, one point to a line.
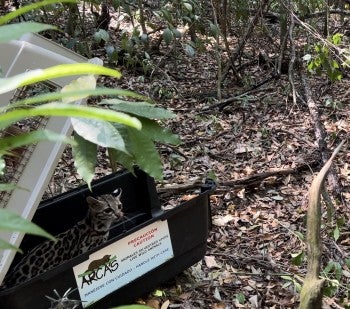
[149, 247]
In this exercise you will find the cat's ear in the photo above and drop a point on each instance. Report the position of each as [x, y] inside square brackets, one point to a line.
[92, 202]
[117, 193]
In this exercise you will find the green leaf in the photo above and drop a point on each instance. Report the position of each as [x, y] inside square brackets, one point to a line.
[167, 36]
[142, 109]
[240, 298]
[116, 156]
[68, 110]
[99, 132]
[10, 221]
[101, 35]
[159, 293]
[5, 245]
[85, 82]
[299, 235]
[15, 31]
[347, 262]
[146, 154]
[336, 233]
[156, 133]
[188, 6]
[12, 142]
[189, 50]
[214, 30]
[85, 158]
[298, 258]
[54, 96]
[337, 38]
[61, 70]
[27, 8]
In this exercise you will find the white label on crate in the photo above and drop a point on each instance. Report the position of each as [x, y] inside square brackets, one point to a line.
[123, 261]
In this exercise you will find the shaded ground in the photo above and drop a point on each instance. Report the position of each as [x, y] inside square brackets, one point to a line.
[257, 228]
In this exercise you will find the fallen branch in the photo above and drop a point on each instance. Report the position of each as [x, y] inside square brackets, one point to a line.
[223, 103]
[320, 134]
[256, 179]
[249, 181]
[178, 188]
[311, 293]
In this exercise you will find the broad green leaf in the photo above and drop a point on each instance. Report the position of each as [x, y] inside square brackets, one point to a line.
[188, 6]
[189, 50]
[12, 142]
[142, 109]
[85, 158]
[156, 133]
[54, 96]
[99, 132]
[167, 36]
[5, 245]
[15, 31]
[7, 187]
[68, 110]
[116, 156]
[10, 221]
[101, 35]
[61, 70]
[82, 83]
[146, 154]
[27, 8]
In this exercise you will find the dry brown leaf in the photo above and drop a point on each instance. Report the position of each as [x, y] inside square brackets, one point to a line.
[222, 220]
[254, 301]
[218, 306]
[153, 303]
[166, 304]
[211, 262]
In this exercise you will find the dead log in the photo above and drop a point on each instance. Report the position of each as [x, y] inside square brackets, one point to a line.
[320, 134]
[249, 181]
[311, 293]
[256, 179]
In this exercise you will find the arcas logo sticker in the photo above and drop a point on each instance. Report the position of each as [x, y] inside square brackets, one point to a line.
[98, 269]
[123, 261]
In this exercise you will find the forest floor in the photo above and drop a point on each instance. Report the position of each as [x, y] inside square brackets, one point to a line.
[256, 249]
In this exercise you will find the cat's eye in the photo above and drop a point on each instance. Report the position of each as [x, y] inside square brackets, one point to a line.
[108, 211]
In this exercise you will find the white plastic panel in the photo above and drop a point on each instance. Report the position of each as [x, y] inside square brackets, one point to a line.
[32, 52]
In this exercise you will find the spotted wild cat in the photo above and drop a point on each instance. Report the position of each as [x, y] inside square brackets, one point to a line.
[88, 233]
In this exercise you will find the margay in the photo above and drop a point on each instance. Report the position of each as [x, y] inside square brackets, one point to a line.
[90, 232]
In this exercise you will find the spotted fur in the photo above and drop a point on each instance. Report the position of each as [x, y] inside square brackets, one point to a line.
[90, 232]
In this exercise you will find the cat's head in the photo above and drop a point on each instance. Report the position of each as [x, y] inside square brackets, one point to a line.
[107, 207]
